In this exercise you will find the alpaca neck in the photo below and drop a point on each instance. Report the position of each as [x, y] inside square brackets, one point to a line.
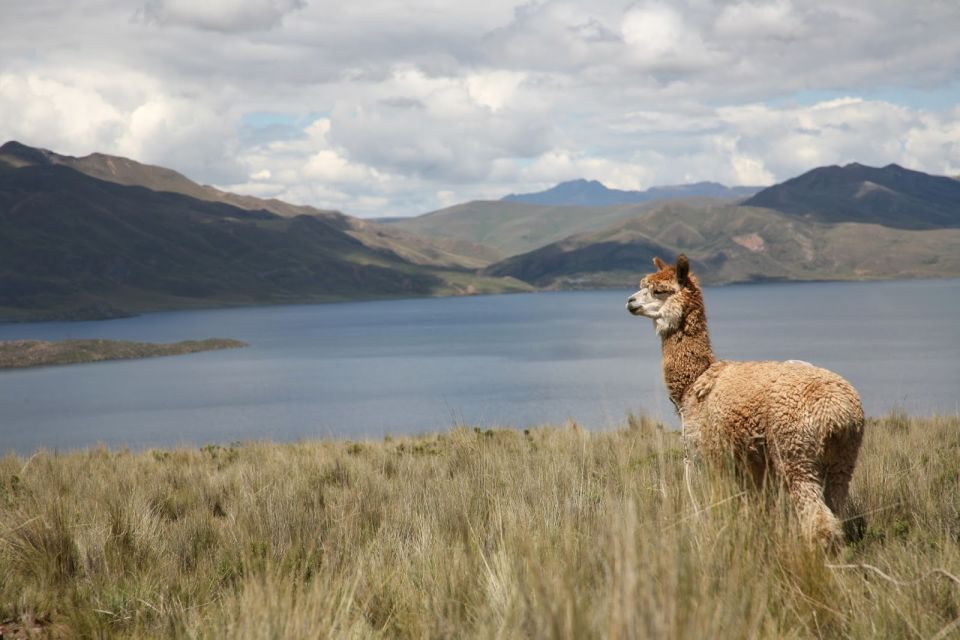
[686, 350]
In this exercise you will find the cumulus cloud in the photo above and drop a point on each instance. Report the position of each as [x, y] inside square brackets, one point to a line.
[57, 114]
[494, 89]
[309, 169]
[439, 128]
[398, 106]
[795, 139]
[658, 38]
[123, 113]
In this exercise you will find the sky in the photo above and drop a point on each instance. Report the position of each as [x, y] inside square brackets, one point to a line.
[393, 108]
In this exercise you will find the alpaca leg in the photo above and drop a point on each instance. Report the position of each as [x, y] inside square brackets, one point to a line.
[840, 458]
[837, 487]
[818, 521]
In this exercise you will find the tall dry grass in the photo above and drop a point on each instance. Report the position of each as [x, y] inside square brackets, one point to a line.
[555, 532]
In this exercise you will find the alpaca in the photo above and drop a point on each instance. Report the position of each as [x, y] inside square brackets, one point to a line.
[803, 423]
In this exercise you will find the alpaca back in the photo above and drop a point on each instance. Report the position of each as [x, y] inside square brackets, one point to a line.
[751, 408]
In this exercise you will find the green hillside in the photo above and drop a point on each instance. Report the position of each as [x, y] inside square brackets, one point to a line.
[829, 223]
[516, 227]
[737, 244]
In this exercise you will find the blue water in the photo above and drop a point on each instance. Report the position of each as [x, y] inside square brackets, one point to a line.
[372, 368]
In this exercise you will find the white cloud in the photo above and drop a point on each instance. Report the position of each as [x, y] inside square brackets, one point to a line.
[658, 38]
[78, 112]
[758, 20]
[55, 114]
[792, 140]
[439, 128]
[220, 15]
[554, 36]
[494, 89]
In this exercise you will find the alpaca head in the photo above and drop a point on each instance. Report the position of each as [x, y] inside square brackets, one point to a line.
[665, 295]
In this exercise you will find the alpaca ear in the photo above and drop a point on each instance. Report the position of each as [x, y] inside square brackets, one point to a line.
[659, 264]
[683, 270]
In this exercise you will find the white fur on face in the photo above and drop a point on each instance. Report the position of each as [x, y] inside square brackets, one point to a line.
[644, 303]
[663, 308]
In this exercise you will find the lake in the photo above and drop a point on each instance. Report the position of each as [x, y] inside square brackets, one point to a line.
[367, 369]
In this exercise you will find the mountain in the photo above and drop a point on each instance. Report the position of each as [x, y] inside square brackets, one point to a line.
[591, 193]
[76, 246]
[578, 246]
[515, 227]
[101, 236]
[731, 243]
[891, 196]
[520, 223]
[438, 251]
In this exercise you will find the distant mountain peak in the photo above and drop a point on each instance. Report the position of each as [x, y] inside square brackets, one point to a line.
[14, 146]
[895, 168]
[593, 193]
[18, 154]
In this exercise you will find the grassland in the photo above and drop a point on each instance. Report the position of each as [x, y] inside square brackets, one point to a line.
[552, 532]
[35, 353]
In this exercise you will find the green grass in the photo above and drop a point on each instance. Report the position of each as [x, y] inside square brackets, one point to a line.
[552, 532]
[35, 353]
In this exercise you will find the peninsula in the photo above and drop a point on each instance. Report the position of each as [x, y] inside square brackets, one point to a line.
[35, 353]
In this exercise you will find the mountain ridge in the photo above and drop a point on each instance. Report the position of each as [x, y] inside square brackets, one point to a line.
[74, 246]
[517, 227]
[891, 195]
[736, 243]
[582, 192]
[443, 252]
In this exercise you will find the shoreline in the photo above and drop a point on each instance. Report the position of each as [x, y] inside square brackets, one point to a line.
[21, 354]
[64, 316]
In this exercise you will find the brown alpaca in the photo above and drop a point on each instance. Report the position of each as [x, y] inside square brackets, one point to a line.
[802, 422]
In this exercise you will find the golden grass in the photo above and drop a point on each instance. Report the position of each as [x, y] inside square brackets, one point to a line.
[555, 532]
